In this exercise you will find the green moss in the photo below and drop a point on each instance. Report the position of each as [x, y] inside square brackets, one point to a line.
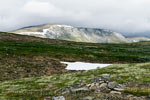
[147, 67]
[138, 92]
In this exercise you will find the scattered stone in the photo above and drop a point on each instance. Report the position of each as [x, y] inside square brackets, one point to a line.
[87, 98]
[92, 85]
[130, 96]
[58, 98]
[105, 77]
[118, 89]
[77, 85]
[115, 92]
[103, 85]
[69, 89]
[88, 85]
[80, 90]
[101, 82]
[97, 80]
[104, 88]
[47, 98]
[97, 85]
[112, 85]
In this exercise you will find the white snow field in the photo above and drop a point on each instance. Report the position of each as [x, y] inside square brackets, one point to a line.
[83, 65]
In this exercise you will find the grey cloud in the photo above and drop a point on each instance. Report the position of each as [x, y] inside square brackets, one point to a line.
[126, 16]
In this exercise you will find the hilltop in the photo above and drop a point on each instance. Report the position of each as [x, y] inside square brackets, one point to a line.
[78, 34]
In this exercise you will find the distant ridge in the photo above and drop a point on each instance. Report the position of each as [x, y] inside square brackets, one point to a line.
[70, 33]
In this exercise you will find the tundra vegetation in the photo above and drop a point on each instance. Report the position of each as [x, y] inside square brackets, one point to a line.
[30, 67]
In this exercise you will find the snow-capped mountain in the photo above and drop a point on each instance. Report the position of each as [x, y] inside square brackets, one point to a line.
[138, 39]
[65, 32]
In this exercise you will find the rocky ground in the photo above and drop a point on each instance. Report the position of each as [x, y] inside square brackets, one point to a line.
[102, 88]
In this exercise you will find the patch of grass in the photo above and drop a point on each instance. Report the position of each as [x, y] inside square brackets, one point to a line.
[138, 92]
[146, 67]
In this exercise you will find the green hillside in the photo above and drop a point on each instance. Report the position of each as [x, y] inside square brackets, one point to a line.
[16, 45]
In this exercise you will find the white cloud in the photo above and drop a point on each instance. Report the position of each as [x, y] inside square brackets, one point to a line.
[127, 16]
[41, 8]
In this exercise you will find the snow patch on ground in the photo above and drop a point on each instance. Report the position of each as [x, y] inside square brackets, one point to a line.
[83, 65]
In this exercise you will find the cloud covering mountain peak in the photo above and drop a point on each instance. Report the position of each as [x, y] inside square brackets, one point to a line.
[126, 16]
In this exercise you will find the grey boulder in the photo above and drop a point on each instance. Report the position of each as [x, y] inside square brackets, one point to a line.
[58, 98]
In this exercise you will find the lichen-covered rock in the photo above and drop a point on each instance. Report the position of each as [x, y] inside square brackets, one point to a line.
[104, 88]
[115, 92]
[118, 89]
[58, 98]
[105, 77]
[112, 85]
[87, 98]
[79, 90]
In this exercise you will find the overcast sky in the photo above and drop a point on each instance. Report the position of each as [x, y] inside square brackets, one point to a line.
[126, 16]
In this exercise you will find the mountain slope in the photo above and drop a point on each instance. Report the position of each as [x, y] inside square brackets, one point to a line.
[138, 39]
[70, 33]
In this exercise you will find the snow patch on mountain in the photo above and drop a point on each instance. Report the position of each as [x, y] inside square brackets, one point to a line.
[67, 26]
